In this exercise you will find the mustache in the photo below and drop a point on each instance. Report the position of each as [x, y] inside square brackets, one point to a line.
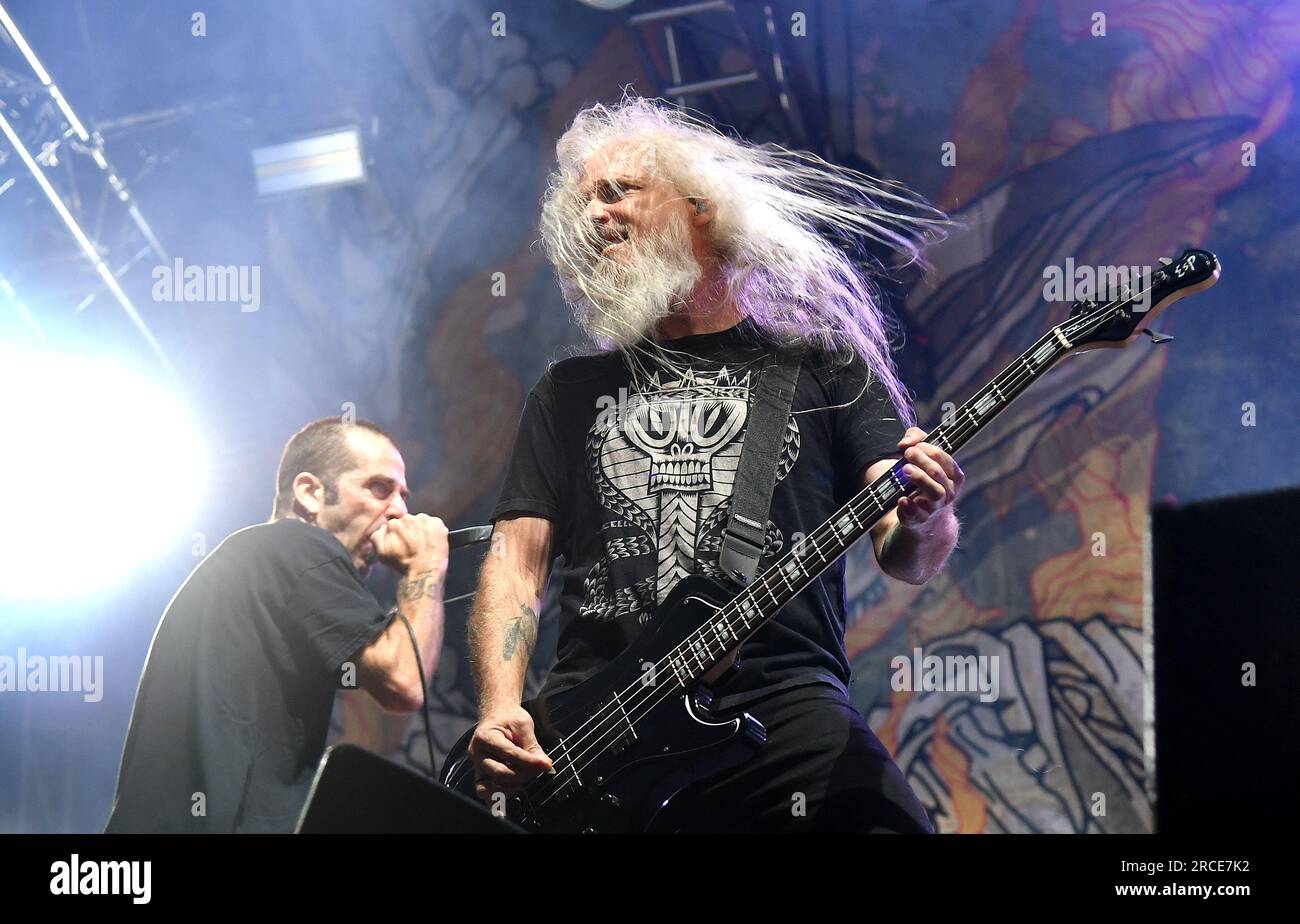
[593, 238]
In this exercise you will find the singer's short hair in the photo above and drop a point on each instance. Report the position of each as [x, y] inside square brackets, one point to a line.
[321, 448]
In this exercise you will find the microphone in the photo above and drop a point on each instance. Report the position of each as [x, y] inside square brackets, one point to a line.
[470, 535]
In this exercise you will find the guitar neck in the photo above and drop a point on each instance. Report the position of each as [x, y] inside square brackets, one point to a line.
[763, 598]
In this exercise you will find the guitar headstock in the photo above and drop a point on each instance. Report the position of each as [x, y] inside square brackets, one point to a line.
[1117, 323]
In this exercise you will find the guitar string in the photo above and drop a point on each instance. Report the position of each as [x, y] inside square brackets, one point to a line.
[1022, 377]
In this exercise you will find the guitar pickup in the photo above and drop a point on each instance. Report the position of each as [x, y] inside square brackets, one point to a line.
[623, 743]
[568, 781]
[625, 733]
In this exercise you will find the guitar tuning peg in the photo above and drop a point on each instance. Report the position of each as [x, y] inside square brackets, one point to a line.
[1166, 260]
[1157, 337]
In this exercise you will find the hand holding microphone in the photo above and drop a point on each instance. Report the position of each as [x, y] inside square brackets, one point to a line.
[414, 541]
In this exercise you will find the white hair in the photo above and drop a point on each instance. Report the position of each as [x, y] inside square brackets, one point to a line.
[784, 225]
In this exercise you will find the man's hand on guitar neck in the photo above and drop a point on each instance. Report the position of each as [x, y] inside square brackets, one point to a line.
[935, 474]
[913, 540]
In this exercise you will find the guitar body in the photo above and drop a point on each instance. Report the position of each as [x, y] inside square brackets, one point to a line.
[613, 775]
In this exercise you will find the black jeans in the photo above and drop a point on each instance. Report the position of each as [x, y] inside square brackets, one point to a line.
[822, 770]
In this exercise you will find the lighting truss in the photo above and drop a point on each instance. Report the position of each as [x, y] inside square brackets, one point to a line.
[48, 145]
[740, 62]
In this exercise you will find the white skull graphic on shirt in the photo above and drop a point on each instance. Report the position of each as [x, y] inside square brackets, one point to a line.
[663, 465]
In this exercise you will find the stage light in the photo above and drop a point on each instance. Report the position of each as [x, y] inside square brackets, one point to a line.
[103, 471]
[329, 159]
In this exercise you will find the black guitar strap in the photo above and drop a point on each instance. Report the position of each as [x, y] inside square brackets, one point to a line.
[751, 497]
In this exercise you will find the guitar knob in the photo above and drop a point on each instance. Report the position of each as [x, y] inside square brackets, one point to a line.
[610, 799]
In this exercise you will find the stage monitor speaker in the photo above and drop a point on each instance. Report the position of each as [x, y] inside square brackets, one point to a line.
[357, 792]
[1226, 641]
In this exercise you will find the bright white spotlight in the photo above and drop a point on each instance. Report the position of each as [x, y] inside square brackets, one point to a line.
[329, 159]
[102, 471]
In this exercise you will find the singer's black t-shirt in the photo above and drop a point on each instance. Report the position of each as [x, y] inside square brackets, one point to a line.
[639, 499]
[233, 708]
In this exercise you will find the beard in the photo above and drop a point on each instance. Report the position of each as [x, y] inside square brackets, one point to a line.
[617, 301]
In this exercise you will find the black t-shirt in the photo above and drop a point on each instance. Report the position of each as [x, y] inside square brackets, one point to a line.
[588, 443]
[237, 691]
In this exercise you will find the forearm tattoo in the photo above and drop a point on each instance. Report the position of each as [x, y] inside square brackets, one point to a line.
[417, 586]
[521, 631]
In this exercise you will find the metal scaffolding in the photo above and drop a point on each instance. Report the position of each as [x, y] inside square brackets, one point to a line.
[78, 229]
[771, 70]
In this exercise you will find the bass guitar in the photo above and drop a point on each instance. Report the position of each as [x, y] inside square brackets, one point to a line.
[628, 740]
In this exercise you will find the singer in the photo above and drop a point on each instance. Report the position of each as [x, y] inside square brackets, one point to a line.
[233, 708]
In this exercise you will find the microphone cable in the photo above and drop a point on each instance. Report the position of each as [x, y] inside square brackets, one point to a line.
[456, 539]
